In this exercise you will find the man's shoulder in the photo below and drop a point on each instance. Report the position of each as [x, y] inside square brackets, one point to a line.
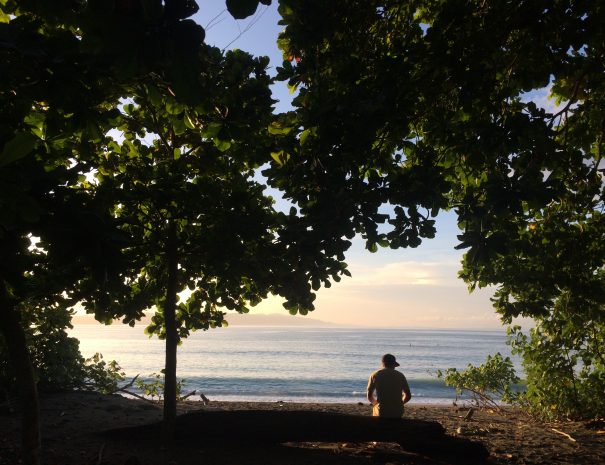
[380, 373]
[391, 372]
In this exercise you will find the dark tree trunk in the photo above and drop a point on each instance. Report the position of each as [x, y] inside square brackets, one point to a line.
[13, 333]
[219, 429]
[171, 335]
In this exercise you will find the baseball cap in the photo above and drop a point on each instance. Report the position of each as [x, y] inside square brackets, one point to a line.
[389, 360]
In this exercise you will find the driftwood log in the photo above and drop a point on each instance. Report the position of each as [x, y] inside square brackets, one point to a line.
[209, 428]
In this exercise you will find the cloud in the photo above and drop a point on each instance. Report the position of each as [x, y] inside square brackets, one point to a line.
[404, 273]
[407, 293]
[401, 294]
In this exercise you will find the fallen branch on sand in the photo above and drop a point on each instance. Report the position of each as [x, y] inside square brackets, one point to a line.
[192, 393]
[564, 434]
[138, 396]
[124, 389]
[100, 457]
[126, 386]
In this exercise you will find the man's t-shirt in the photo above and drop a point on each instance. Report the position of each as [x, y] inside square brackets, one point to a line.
[389, 385]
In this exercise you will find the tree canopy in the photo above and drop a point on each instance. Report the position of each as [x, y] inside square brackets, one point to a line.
[431, 111]
[429, 105]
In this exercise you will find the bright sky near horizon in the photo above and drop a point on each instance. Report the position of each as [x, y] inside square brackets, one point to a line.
[413, 288]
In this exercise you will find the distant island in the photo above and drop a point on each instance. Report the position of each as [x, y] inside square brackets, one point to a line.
[237, 319]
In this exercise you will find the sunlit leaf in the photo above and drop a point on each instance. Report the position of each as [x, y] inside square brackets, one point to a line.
[222, 145]
[276, 128]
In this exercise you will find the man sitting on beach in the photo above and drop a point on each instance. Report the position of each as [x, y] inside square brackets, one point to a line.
[392, 389]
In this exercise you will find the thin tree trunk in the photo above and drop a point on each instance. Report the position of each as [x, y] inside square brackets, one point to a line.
[171, 335]
[13, 333]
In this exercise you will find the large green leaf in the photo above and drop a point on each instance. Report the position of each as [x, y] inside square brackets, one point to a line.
[22, 144]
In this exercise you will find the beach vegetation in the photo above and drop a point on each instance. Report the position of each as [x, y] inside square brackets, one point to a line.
[101, 375]
[153, 386]
[57, 362]
[565, 370]
[490, 384]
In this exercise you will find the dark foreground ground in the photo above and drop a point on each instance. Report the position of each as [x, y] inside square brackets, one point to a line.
[75, 429]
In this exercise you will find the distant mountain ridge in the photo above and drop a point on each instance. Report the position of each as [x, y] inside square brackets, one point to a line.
[272, 319]
[237, 319]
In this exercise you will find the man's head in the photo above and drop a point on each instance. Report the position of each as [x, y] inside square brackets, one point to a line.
[389, 361]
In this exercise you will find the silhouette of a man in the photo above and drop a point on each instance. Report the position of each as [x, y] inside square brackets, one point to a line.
[392, 389]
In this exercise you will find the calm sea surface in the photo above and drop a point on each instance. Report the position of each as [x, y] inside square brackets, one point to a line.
[296, 364]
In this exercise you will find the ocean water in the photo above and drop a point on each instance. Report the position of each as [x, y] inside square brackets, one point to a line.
[296, 364]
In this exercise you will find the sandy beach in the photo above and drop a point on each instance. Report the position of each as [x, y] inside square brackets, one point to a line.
[72, 424]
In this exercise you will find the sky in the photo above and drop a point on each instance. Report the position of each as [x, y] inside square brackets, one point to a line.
[407, 288]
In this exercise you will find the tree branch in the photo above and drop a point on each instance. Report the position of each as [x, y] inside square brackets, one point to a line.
[564, 434]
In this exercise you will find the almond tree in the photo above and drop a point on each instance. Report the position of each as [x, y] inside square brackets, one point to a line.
[184, 181]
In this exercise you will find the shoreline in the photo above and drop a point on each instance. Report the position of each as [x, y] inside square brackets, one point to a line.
[353, 408]
[416, 401]
[72, 423]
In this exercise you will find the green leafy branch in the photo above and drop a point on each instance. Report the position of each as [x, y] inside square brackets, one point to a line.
[489, 384]
[153, 387]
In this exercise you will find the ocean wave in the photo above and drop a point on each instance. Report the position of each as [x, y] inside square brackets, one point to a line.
[315, 388]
